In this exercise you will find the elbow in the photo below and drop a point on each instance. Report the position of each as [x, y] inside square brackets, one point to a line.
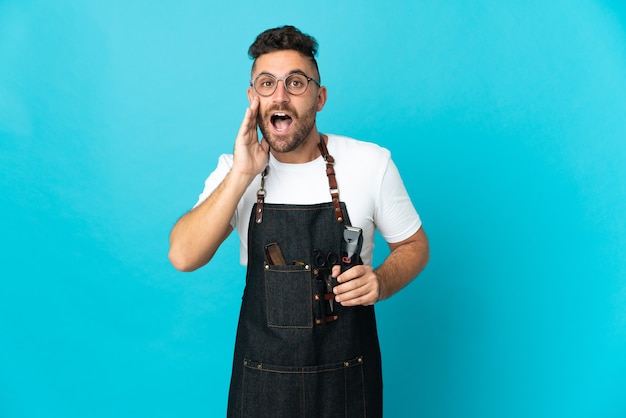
[180, 260]
[188, 255]
[426, 253]
[423, 254]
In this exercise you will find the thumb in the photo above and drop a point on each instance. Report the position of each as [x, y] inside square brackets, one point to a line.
[265, 145]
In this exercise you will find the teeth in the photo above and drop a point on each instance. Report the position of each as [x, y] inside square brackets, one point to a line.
[280, 115]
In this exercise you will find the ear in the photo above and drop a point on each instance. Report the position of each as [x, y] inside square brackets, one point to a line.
[322, 95]
[250, 95]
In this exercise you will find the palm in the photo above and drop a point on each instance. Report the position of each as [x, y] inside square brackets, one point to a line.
[250, 155]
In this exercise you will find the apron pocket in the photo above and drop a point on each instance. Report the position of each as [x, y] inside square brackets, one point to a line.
[289, 297]
[332, 390]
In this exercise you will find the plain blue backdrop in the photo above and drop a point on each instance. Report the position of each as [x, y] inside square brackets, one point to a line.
[506, 119]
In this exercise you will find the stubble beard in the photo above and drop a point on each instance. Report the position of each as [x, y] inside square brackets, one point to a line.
[286, 143]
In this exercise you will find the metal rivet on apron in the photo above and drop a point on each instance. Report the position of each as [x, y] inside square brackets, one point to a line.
[340, 219]
[360, 359]
[259, 366]
[245, 362]
[306, 267]
[267, 266]
[316, 297]
[346, 364]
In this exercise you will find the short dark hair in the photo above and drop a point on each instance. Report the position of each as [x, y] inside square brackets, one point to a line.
[282, 39]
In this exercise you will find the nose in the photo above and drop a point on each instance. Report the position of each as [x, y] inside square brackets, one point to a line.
[281, 95]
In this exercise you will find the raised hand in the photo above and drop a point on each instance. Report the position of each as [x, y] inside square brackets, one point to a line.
[250, 155]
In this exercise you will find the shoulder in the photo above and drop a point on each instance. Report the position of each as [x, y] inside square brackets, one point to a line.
[225, 160]
[224, 164]
[345, 146]
[356, 156]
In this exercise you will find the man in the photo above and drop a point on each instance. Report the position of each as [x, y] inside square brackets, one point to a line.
[306, 342]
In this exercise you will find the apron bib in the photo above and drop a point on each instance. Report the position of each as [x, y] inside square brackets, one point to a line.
[297, 352]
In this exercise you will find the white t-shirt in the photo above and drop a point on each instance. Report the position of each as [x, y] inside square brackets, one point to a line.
[368, 181]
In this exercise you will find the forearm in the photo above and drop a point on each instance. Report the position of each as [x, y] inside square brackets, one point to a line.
[404, 263]
[197, 235]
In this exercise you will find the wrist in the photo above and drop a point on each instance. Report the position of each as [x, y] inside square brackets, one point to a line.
[381, 287]
[239, 179]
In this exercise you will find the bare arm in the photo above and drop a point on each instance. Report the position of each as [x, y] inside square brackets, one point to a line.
[198, 234]
[362, 285]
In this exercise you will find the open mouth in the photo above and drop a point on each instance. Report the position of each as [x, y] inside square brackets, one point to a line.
[281, 121]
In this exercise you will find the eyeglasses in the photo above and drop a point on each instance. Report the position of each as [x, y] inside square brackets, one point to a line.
[296, 84]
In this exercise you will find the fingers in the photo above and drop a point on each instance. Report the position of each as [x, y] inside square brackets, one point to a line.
[265, 145]
[248, 128]
[254, 111]
[357, 286]
[250, 155]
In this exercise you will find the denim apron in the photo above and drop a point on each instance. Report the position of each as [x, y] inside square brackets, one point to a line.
[297, 352]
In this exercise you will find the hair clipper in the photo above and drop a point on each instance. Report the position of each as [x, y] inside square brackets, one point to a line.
[351, 247]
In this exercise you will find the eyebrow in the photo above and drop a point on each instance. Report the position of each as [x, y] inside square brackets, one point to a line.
[296, 71]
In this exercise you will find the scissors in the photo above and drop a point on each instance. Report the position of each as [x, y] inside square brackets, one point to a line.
[326, 261]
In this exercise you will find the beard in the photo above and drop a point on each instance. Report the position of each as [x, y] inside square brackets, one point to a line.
[300, 129]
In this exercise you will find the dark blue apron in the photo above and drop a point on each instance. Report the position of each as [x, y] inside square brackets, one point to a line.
[297, 353]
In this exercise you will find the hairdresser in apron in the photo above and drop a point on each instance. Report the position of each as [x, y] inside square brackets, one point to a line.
[297, 352]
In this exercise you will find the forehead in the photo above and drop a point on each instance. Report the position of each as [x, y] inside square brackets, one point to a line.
[281, 63]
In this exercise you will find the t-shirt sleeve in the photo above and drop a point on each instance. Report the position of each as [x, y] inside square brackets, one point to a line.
[224, 164]
[395, 215]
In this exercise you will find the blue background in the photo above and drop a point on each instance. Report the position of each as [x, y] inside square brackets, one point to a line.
[507, 120]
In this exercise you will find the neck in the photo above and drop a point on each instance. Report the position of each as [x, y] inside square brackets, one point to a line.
[307, 151]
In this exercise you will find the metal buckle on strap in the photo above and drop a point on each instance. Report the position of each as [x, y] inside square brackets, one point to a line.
[260, 198]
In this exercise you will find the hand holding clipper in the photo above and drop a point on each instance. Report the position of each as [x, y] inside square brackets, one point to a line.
[351, 247]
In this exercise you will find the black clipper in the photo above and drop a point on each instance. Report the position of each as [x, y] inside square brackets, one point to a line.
[351, 247]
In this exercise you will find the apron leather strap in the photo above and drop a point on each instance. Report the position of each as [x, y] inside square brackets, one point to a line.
[332, 184]
[332, 181]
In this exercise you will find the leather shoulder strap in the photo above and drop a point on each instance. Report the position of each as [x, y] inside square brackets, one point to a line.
[332, 180]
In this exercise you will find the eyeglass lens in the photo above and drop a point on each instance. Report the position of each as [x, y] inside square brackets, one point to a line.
[266, 84]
